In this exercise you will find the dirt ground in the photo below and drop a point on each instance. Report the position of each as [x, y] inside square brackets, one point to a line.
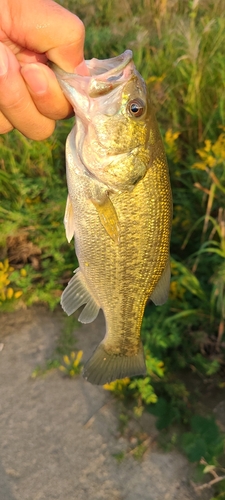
[59, 436]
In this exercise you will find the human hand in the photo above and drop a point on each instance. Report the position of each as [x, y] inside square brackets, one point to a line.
[31, 33]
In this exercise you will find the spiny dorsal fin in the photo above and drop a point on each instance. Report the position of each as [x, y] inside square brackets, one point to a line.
[75, 295]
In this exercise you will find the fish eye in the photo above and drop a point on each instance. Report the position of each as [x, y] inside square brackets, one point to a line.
[136, 107]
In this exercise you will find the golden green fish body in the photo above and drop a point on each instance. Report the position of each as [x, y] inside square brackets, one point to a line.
[119, 209]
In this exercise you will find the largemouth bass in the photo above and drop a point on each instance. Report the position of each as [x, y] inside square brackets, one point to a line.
[119, 210]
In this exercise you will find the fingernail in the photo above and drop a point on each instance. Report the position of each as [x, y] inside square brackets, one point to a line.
[4, 62]
[35, 78]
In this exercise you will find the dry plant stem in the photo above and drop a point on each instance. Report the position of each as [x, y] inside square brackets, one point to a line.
[221, 220]
[199, 186]
[215, 179]
[146, 443]
[211, 483]
[208, 211]
[220, 333]
[209, 208]
[208, 485]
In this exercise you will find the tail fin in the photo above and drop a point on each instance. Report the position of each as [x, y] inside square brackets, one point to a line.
[103, 367]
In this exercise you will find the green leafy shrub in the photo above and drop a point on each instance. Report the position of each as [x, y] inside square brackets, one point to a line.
[204, 440]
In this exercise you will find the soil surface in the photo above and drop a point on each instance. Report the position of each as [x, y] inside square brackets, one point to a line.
[59, 436]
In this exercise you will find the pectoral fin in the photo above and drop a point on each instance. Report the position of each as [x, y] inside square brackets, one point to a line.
[160, 294]
[108, 217]
[75, 295]
[69, 220]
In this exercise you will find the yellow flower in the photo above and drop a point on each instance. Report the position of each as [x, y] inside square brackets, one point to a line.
[154, 78]
[117, 385]
[211, 154]
[171, 137]
[66, 359]
[9, 293]
[35, 200]
[177, 291]
[211, 161]
[208, 145]
[78, 359]
[72, 363]
[5, 270]
[171, 146]
[18, 294]
[174, 269]
[62, 368]
[2, 295]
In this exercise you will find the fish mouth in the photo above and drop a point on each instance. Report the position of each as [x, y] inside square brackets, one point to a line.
[109, 73]
[109, 67]
[104, 75]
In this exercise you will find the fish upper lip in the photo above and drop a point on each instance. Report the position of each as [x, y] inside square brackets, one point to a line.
[123, 61]
[104, 74]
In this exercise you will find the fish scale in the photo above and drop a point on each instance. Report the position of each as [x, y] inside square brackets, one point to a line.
[119, 210]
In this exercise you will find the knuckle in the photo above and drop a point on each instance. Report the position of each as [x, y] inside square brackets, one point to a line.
[54, 105]
[40, 133]
[5, 125]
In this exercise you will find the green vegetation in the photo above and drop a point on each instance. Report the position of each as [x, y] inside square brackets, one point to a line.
[179, 49]
[64, 356]
[71, 365]
[33, 193]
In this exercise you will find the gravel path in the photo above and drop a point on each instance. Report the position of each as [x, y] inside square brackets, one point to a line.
[58, 436]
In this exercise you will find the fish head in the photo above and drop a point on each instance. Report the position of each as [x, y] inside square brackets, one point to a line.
[113, 120]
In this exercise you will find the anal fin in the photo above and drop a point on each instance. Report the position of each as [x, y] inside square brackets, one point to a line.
[75, 295]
